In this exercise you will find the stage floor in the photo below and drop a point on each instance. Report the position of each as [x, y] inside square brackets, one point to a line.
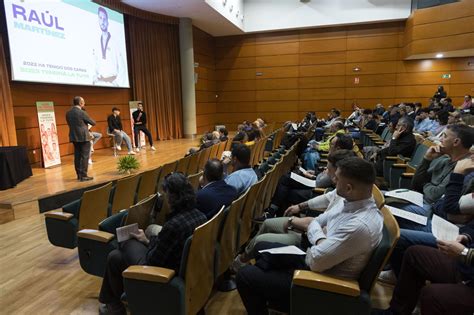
[21, 200]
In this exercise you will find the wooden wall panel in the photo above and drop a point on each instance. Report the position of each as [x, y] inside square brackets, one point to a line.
[312, 69]
[206, 85]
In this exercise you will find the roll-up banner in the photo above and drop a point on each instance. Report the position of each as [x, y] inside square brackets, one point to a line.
[48, 134]
[133, 107]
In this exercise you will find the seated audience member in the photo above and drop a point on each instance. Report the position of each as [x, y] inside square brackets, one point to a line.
[432, 175]
[403, 142]
[273, 229]
[288, 190]
[372, 122]
[307, 121]
[243, 175]
[456, 205]
[447, 104]
[354, 117]
[379, 109]
[252, 136]
[454, 118]
[411, 110]
[163, 250]
[442, 118]
[223, 134]
[208, 140]
[311, 156]
[215, 192]
[394, 115]
[422, 122]
[115, 127]
[341, 242]
[336, 127]
[333, 116]
[239, 138]
[450, 272]
[467, 104]
[440, 93]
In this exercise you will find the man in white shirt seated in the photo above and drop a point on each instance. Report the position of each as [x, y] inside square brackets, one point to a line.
[341, 242]
[274, 229]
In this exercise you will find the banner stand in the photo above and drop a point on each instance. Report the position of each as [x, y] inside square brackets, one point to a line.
[48, 134]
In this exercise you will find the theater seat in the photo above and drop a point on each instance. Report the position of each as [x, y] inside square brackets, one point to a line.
[95, 245]
[156, 290]
[85, 213]
[316, 293]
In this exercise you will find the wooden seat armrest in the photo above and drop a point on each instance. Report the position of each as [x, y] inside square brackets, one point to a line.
[310, 279]
[409, 175]
[399, 165]
[392, 158]
[59, 215]
[319, 191]
[149, 273]
[96, 235]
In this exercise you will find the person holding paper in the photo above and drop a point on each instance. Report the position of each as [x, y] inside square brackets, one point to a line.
[457, 205]
[163, 250]
[276, 229]
[289, 191]
[450, 271]
[341, 241]
[432, 175]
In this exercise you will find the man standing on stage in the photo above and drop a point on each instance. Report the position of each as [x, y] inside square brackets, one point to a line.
[139, 124]
[77, 120]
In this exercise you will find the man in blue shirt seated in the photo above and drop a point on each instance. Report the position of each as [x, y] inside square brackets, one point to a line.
[423, 123]
[243, 175]
[215, 192]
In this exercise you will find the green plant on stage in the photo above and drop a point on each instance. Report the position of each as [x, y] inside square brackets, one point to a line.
[127, 164]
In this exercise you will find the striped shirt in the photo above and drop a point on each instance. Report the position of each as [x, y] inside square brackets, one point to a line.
[353, 231]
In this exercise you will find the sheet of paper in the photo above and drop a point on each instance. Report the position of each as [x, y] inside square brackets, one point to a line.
[408, 215]
[295, 126]
[288, 250]
[303, 180]
[302, 170]
[408, 195]
[443, 230]
[123, 233]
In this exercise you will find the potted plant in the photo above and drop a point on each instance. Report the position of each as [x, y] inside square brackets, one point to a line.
[127, 164]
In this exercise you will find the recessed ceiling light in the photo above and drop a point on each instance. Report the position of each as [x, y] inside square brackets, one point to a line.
[439, 55]
[356, 69]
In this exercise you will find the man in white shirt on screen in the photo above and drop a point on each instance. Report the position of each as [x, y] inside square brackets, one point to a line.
[109, 62]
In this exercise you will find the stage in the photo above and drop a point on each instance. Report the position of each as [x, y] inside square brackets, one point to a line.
[22, 200]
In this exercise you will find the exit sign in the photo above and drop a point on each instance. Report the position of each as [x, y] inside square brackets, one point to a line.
[446, 76]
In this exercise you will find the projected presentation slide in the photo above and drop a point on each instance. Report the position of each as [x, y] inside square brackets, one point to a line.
[66, 42]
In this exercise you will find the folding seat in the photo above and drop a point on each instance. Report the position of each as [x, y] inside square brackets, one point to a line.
[193, 163]
[313, 292]
[148, 182]
[399, 170]
[85, 213]
[124, 193]
[151, 289]
[194, 180]
[227, 242]
[183, 163]
[94, 245]
[221, 149]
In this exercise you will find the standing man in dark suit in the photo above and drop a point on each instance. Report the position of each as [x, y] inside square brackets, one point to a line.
[77, 120]
[215, 192]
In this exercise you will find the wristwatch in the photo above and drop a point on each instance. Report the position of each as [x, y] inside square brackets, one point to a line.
[290, 224]
[464, 252]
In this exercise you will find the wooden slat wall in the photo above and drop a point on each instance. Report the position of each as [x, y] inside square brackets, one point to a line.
[204, 54]
[312, 69]
[451, 24]
[99, 103]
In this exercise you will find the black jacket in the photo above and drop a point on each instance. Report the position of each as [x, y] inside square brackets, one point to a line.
[77, 120]
[404, 145]
[114, 123]
[213, 196]
[142, 118]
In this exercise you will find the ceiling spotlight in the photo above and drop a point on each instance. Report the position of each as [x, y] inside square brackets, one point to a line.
[439, 55]
[356, 69]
